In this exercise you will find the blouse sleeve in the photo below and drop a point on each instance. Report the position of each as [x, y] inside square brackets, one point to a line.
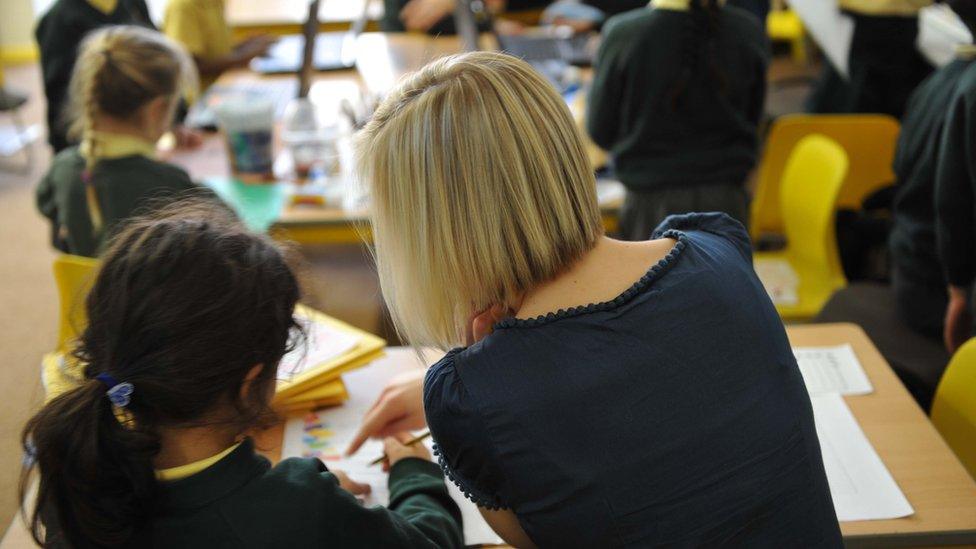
[461, 442]
[711, 224]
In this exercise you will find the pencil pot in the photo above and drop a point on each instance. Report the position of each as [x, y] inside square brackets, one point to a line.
[249, 130]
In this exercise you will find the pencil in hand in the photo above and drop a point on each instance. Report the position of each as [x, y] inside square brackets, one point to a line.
[415, 440]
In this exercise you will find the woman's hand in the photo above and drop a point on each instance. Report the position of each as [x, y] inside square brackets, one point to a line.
[349, 485]
[958, 319]
[399, 408]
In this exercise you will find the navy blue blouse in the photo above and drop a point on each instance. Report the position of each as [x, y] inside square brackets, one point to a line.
[674, 414]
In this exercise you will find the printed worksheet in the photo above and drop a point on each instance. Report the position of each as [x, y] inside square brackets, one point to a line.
[860, 484]
[832, 370]
[326, 433]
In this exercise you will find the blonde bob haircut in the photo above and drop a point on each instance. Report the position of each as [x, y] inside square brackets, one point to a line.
[480, 190]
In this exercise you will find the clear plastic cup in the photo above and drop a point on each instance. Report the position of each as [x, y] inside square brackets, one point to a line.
[248, 126]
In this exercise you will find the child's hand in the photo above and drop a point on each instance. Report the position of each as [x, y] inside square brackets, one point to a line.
[349, 485]
[396, 450]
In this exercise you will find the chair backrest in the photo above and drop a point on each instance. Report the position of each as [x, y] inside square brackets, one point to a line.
[869, 140]
[954, 407]
[812, 179]
[74, 276]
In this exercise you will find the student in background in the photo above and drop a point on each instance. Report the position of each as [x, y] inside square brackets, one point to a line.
[124, 91]
[884, 63]
[955, 210]
[188, 319]
[607, 393]
[676, 99]
[59, 33]
[200, 25]
[917, 275]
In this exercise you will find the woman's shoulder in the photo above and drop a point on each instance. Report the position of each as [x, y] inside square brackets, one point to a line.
[716, 231]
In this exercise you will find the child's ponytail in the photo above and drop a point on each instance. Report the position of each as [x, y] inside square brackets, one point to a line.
[95, 474]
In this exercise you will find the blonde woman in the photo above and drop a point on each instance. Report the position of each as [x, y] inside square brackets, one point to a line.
[608, 393]
[126, 85]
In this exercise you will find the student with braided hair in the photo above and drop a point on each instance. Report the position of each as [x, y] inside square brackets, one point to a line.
[676, 99]
[125, 89]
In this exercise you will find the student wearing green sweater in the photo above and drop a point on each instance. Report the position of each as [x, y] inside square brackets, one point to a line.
[955, 210]
[676, 99]
[125, 89]
[189, 317]
[917, 274]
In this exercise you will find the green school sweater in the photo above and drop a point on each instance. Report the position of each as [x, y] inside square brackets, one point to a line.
[59, 33]
[241, 501]
[913, 242]
[124, 186]
[711, 137]
[955, 186]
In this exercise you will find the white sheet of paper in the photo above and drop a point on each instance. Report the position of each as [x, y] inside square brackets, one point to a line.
[860, 484]
[326, 433]
[831, 30]
[323, 343]
[779, 279]
[832, 370]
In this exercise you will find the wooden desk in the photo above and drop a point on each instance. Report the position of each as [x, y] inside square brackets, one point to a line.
[935, 483]
[383, 60]
[932, 478]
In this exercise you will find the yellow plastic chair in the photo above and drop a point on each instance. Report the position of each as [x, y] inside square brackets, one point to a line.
[811, 183]
[74, 276]
[954, 407]
[869, 140]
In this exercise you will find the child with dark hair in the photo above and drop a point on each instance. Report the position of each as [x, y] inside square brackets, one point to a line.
[189, 317]
[677, 97]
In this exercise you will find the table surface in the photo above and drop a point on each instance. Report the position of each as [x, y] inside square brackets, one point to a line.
[383, 59]
[932, 478]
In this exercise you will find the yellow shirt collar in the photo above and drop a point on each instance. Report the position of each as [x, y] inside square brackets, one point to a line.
[190, 469]
[117, 145]
[674, 5]
[966, 51]
[104, 6]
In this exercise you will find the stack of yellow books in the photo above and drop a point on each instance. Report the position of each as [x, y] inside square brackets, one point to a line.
[309, 377]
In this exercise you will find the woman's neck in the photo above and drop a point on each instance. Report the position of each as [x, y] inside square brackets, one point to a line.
[602, 274]
[181, 446]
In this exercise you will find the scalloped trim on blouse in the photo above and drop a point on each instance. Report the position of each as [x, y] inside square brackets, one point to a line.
[479, 498]
[650, 276]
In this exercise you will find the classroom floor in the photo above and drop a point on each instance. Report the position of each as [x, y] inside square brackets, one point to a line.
[338, 280]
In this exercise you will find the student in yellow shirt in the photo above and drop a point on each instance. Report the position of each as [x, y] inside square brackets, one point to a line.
[201, 27]
[884, 64]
